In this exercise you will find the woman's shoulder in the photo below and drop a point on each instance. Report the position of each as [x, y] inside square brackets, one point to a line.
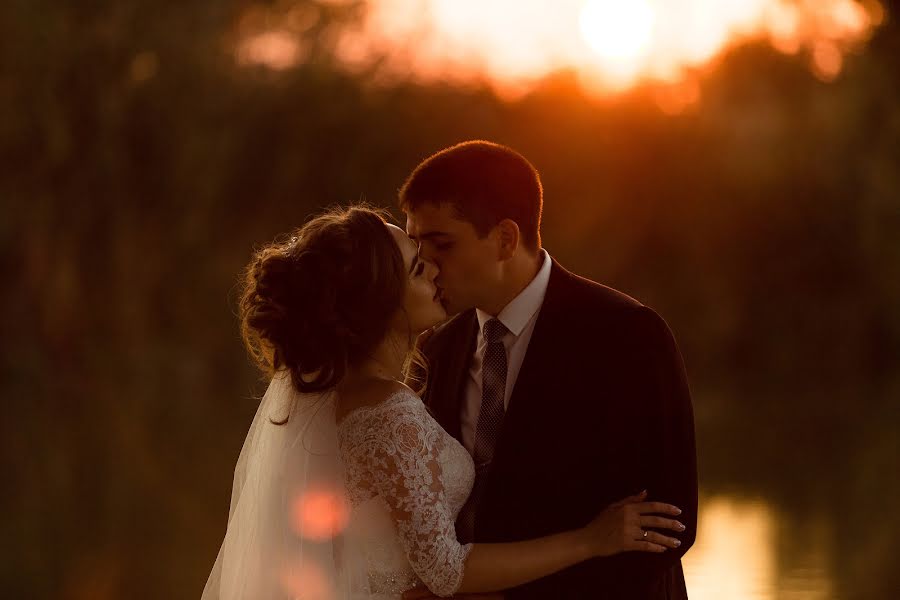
[370, 395]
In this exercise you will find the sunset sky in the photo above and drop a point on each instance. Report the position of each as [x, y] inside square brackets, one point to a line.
[611, 45]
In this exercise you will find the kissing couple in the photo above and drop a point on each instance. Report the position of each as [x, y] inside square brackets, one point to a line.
[451, 413]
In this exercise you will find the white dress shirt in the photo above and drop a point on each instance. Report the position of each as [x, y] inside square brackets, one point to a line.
[519, 317]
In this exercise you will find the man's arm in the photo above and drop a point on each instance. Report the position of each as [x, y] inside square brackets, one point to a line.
[668, 457]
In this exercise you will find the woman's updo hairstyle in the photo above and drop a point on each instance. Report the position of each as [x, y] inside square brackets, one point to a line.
[322, 300]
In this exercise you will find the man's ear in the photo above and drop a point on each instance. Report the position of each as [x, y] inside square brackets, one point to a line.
[508, 238]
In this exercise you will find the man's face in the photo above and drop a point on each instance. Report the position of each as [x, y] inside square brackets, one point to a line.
[469, 265]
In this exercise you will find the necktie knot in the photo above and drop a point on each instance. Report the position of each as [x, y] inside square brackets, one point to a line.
[494, 330]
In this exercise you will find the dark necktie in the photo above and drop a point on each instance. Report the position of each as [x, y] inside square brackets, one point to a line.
[490, 421]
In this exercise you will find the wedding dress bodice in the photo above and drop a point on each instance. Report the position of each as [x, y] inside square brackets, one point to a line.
[407, 480]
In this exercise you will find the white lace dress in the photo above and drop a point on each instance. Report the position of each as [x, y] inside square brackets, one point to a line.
[407, 479]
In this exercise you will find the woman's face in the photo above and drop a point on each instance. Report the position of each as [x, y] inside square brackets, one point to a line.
[420, 302]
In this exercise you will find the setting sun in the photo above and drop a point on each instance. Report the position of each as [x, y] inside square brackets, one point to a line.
[617, 29]
[610, 45]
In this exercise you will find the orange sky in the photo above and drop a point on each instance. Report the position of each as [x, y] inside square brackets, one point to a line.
[611, 44]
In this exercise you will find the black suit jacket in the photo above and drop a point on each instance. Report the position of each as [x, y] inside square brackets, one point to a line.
[601, 410]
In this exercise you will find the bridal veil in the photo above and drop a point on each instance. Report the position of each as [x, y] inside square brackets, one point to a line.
[287, 533]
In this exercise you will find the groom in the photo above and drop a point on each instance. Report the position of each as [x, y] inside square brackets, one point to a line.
[568, 394]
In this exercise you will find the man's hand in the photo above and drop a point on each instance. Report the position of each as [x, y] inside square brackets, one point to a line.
[423, 593]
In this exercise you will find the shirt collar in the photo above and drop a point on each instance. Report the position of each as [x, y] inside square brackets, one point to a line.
[516, 315]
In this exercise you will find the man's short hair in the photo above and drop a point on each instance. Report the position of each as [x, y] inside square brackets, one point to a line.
[485, 183]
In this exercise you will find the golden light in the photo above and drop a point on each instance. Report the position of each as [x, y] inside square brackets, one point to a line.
[738, 554]
[319, 514]
[617, 29]
[732, 556]
[610, 45]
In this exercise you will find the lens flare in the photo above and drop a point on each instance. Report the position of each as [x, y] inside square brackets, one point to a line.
[319, 514]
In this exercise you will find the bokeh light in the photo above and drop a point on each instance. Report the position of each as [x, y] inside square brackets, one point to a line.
[319, 514]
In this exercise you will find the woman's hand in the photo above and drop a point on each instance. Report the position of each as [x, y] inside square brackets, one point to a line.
[622, 527]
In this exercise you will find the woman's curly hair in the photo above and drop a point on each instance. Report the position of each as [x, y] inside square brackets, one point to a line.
[321, 300]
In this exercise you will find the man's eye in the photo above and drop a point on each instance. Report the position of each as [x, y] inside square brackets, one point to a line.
[444, 246]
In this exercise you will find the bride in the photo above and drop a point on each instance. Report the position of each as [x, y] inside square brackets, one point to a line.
[346, 487]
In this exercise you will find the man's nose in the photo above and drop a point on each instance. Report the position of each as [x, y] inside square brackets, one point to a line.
[433, 270]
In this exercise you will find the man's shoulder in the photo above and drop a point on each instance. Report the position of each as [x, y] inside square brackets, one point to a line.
[586, 299]
[576, 291]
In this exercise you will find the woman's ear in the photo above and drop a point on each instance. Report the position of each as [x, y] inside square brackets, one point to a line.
[508, 238]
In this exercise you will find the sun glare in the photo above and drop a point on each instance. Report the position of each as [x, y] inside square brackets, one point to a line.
[617, 29]
[610, 45]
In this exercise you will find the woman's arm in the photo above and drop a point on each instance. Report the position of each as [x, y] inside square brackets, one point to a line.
[402, 462]
[493, 567]
[618, 528]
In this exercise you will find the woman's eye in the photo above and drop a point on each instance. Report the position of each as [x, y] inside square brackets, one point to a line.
[420, 268]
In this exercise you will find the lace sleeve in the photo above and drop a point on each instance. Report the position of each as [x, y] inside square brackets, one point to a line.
[402, 459]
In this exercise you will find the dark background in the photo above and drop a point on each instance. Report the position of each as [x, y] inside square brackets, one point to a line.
[764, 225]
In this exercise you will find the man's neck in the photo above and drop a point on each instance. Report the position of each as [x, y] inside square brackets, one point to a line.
[520, 271]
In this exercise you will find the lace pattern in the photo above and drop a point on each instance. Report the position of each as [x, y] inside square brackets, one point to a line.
[397, 454]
